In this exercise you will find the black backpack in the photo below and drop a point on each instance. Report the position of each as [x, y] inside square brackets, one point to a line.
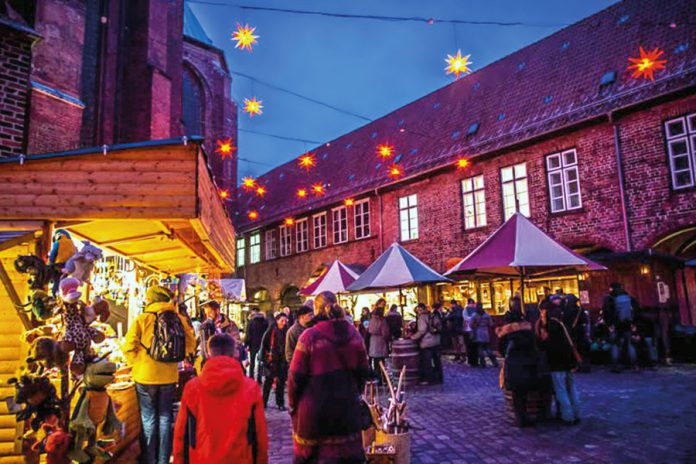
[169, 338]
[435, 323]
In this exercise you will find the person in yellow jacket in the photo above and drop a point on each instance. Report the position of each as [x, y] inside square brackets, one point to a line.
[155, 381]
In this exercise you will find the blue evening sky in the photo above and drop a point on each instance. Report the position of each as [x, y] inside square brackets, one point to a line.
[365, 67]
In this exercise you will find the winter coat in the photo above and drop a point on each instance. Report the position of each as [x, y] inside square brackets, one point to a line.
[273, 351]
[256, 327]
[146, 370]
[521, 357]
[379, 337]
[218, 405]
[424, 335]
[553, 340]
[467, 316]
[480, 326]
[609, 310]
[291, 339]
[456, 319]
[223, 325]
[327, 374]
[395, 323]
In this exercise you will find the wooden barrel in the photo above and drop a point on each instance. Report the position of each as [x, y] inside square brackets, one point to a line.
[405, 353]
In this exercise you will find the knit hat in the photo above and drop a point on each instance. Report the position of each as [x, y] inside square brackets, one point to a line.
[304, 310]
[158, 294]
[69, 289]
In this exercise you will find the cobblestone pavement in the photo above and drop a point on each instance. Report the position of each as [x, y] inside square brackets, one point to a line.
[644, 417]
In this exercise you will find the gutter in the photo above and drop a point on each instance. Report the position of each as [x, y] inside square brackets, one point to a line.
[621, 180]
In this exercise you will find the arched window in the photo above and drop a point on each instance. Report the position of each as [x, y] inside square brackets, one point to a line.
[193, 107]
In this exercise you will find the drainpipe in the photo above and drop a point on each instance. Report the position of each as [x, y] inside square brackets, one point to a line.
[381, 242]
[620, 175]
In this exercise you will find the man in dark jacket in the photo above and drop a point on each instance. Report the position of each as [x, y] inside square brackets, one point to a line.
[275, 366]
[256, 327]
[304, 318]
[618, 310]
[456, 321]
[395, 322]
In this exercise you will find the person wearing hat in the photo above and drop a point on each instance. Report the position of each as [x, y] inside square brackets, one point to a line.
[156, 379]
[215, 322]
[304, 318]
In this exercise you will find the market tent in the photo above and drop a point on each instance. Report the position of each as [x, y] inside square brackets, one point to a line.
[395, 268]
[520, 248]
[335, 279]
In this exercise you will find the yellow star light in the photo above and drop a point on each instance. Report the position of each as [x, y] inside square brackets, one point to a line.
[224, 148]
[253, 106]
[253, 215]
[244, 36]
[248, 183]
[224, 194]
[301, 193]
[647, 63]
[261, 191]
[289, 221]
[395, 171]
[462, 163]
[307, 161]
[385, 150]
[349, 202]
[318, 189]
[458, 64]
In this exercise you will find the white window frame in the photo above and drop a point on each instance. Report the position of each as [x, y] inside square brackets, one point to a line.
[474, 202]
[519, 183]
[255, 247]
[301, 235]
[270, 239]
[339, 224]
[559, 172]
[319, 226]
[241, 251]
[408, 217]
[285, 239]
[363, 229]
[686, 136]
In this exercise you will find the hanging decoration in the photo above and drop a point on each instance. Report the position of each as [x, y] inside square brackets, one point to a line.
[224, 194]
[318, 190]
[307, 161]
[647, 63]
[224, 148]
[385, 151]
[458, 64]
[395, 171]
[261, 191]
[244, 37]
[249, 183]
[289, 222]
[301, 193]
[462, 163]
[349, 202]
[253, 106]
[253, 215]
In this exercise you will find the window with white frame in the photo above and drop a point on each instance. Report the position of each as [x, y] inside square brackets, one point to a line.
[408, 217]
[474, 201]
[515, 190]
[270, 244]
[255, 248]
[361, 210]
[241, 251]
[319, 230]
[564, 181]
[340, 224]
[302, 235]
[285, 234]
[681, 147]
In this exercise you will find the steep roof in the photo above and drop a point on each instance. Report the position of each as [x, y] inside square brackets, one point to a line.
[560, 81]
[193, 28]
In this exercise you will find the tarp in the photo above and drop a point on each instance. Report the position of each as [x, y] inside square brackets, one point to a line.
[520, 247]
[395, 268]
[335, 279]
[233, 289]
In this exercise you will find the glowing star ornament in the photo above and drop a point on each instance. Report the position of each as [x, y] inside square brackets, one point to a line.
[385, 151]
[253, 106]
[224, 148]
[349, 202]
[462, 163]
[249, 184]
[647, 63]
[458, 64]
[224, 194]
[261, 191]
[302, 193]
[318, 190]
[395, 171]
[307, 161]
[253, 215]
[244, 36]
[289, 221]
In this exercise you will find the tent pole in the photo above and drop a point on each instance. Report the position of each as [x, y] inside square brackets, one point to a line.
[521, 270]
[401, 302]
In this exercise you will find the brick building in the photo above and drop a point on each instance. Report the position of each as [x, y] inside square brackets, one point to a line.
[76, 73]
[605, 163]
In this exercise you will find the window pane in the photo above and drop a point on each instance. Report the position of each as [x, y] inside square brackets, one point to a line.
[481, 218]
[521, 186]
[571, 174]
[555, 178]
[573, 188]
[574, 201]
[506, 174]
[692, 123]
[676, 128]
[557, 204]
[403, 202]
[683, 179]
[478, 182]
[466, 185]
[569, 157]
[520, 170]
[553, 161]
[678, 147]
[557, 191]
[413, 200]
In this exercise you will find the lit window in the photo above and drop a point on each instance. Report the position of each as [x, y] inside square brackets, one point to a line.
[270, 244]
[302, 235]
[241, 252]
[681, 147]
[408, 217]
[255, 248]
[564, 181]
[474, 200]
[340, 224]
[285, 241]
[319, 230]
[361, 210]
[515, 191]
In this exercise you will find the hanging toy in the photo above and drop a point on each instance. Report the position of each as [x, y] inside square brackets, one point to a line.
[56, 443]
[62, 250]
[81, 264]
[38, 395]
[40, 274]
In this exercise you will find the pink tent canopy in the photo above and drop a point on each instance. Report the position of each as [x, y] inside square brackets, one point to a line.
[336, 278]
[520, 248]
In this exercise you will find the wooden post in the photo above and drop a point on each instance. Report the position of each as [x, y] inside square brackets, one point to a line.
[14, 297]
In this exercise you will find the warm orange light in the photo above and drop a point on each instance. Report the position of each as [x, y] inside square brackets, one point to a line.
[253, 215]
[349, 202]
[318, 189]
[395, 171]
[647, 63]
[307, 161]
[253, 106]
[244, 36]
[224, 194]
[462, 163]
[301, 193]
[385, 150]
[457, 64]
[224, 148]
[249, 183]
[289, 221]
[261, 191]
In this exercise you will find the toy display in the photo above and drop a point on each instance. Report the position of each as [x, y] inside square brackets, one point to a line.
[55, 443]
[38, 395]
[81, 264]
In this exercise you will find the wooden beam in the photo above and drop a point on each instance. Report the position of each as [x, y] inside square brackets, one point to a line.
[154, 251]
[13, 242]
[14, 297]
[21, 225]
[136, 238]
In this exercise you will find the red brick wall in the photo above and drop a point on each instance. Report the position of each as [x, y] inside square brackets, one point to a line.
[54, 125]
[15, 60]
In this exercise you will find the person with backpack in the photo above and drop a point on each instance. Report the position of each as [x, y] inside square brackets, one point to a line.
[221, 417]
[618, 310]
[272, 358]
[429, 327]
[255, 328]
[481, 326]
[157, 341]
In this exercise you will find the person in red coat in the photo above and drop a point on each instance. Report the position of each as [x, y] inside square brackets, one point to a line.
[327, 374]
[221, 418]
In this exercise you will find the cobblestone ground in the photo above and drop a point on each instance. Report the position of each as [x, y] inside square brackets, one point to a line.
[645, 417]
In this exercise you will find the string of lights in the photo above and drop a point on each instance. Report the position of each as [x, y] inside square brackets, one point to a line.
[281, 137]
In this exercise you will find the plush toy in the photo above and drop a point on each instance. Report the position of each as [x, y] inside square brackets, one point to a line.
[40, 273]
[41, 304]
[47, 330]
[62, 250]
[38, 395]
[46, 353]
[81, 264]
[55, 443]
[94, 416]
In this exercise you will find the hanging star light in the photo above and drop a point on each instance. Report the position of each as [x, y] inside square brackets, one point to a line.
[224, 194]
[253, 106]
[244, 36]
[261, 191]
[462, 163]
[395, 171]
[289, 221]
[458, 64]
[307, 161]
[224, 148]
[249, 184]
[301, 193]
[349, 202]
[385, 151]
[646, 64]
[318, 189]
[253, 214]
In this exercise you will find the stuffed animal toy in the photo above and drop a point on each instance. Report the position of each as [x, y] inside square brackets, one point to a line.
[42, 305]
[46, 353]
[38, 395]
[40, 273]
[62, 250]
[55, 443]
[47, 330]
[94, 416]
[81, 264]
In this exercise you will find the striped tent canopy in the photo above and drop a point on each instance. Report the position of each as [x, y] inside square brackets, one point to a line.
[395, 268]
[335, 279]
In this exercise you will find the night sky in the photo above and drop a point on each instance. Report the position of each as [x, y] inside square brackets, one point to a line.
[365, 67]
